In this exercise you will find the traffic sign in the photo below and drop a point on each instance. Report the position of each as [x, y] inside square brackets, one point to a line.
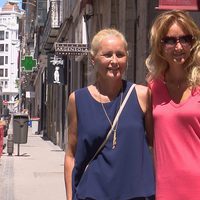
[28, 64]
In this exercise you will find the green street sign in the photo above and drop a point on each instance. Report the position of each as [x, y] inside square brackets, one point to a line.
[28, 64]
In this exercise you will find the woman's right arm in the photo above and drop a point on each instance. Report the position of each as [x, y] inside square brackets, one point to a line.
[71, 145]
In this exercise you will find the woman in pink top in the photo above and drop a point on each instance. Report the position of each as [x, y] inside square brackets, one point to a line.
[174, 79]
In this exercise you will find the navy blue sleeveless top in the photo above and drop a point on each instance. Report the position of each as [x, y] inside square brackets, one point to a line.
[122, 173]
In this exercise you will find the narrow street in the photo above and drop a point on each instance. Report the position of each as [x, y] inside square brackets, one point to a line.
[35, 174]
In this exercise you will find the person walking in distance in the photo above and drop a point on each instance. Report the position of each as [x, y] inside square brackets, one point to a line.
[174, 79]
[99, 165]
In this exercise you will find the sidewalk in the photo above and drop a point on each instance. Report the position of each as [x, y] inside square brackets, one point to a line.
[36, 174]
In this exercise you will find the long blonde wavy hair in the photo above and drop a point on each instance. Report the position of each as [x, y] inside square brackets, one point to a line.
[155, 62]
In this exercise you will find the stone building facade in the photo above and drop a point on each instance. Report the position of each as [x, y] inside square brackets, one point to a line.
[74, 22]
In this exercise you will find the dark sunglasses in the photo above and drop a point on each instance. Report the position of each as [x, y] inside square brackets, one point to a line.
[172, 41]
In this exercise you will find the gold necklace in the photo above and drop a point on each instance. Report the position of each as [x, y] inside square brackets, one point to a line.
[116, 126]
[177, 85]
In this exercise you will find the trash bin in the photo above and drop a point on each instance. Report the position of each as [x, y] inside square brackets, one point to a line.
[20, 128]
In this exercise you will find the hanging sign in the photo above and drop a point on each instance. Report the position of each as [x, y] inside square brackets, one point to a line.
[179, 4]
[55, 69]
[28, 63]
[71, 48]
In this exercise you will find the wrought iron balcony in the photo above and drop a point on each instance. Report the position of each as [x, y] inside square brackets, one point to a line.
[52, 25]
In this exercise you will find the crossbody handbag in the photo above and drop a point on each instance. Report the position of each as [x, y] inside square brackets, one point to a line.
[113, 125]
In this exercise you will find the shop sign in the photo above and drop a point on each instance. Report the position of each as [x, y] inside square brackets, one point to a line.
[71, 48]
[56, 14]
[179, 4]
[28, 64]
[55, 69]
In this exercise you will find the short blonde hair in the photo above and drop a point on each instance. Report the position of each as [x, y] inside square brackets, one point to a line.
[101, 35]
[155, 62]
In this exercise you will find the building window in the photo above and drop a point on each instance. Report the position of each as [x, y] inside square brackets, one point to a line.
[6, 72]
[6, 47]
[1, 47]
[6, 84]
[6, 97]
[1, 72]
[6, 60]
[1, 60]
[7, 35]
[1, 35]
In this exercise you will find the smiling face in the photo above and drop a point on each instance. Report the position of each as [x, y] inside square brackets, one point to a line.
[176, 45]
[111, 58]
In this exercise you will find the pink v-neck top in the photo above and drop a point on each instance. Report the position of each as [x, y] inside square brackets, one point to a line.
[176, 145]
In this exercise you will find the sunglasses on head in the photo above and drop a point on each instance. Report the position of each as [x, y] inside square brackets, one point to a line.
[183, 40]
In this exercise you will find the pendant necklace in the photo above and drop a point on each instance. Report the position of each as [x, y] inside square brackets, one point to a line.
[116, 126]
[178, 85]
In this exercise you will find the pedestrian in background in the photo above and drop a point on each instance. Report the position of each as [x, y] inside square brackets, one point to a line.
[6, 113]
[6, 117]
[123, 168]
[174, 79]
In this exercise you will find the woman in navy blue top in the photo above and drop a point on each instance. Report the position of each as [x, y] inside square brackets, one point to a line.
[123, 169]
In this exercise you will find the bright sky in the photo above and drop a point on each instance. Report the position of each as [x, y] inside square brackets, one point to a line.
[2, 2]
